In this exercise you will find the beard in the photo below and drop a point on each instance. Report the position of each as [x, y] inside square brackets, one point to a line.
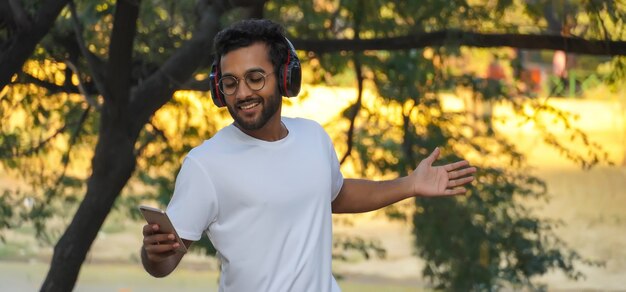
[269, 109]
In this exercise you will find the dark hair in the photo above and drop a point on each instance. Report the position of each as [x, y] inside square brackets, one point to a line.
[247, 32]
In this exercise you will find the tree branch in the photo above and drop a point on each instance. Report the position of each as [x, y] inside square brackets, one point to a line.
[66, 156]
[42, 143]
[25, 78]
[157, 89]
[81, 86]
[197, 85]
[466, 38]
[596, 10]
[118, 69]
[155, 133]
[20, 16]
[92, 61]
[21, 45]
[34, 149]
[354, 109]
[407, 143]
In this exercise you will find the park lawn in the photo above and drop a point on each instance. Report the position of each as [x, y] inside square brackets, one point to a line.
[24, 276]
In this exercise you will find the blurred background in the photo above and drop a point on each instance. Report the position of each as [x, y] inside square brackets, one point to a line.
[101, 100]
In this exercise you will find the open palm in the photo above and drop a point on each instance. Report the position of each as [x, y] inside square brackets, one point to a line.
[445, 180]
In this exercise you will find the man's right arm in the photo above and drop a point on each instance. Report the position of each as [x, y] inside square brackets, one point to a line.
[158, 254]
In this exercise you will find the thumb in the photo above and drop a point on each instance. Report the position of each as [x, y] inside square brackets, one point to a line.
[433, 156]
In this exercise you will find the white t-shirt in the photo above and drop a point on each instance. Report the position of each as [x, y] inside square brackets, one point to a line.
[266, 207]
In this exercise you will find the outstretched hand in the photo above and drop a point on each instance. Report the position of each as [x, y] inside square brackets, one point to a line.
[445, 180]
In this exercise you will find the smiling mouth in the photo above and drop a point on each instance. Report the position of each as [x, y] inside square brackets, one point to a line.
[249, 104]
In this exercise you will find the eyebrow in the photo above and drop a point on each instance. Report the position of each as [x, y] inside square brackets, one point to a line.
[255, 69]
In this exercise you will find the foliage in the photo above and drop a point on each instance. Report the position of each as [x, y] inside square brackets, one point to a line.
[49, 130]
[50, 119]
[343, 245]
[488, 239]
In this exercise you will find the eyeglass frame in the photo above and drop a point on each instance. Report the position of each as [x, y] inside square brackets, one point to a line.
[237, 79]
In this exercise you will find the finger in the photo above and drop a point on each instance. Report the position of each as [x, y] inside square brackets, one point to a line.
[159, 239]
[455, 191]
[149, 229]
[433, 156]
[455, 165]
[459, 182]
[461, 172]
[161, 256]
[161, 250]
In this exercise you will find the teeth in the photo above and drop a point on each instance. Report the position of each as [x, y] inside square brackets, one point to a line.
[249, 105]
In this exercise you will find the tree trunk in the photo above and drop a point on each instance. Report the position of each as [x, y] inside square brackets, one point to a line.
[121, 122]
[113, 164]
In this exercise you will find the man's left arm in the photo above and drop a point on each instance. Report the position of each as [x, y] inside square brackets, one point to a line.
[360, 195]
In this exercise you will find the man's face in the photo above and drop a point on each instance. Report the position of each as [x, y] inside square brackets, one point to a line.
[251, 109]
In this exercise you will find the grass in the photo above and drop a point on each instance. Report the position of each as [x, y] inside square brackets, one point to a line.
[22, 276]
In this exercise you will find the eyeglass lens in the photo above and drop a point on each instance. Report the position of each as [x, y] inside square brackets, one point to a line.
[255, 80]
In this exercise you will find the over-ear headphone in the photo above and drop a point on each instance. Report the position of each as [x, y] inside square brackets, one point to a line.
[289, 77]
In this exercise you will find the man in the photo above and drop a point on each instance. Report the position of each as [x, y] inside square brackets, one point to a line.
[264, 187]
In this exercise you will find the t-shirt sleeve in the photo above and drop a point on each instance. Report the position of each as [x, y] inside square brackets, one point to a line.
[336, 175]
[193, 206]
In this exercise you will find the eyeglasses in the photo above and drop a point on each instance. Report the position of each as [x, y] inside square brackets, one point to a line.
[255, 80]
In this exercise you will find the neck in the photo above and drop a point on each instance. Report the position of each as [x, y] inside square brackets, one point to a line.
[273, 130]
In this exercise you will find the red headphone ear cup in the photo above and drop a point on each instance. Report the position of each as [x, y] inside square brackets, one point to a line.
[290, 76]
[214, 78]
[295, 79]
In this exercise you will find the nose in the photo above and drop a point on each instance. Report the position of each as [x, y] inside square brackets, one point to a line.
[243, 91]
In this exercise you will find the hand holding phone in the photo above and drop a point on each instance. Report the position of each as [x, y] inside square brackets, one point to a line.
[159, 217]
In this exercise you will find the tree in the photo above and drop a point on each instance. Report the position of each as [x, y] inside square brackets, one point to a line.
[132, 89]
[126, 59]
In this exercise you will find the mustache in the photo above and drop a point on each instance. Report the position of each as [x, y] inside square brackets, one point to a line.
[248, 100]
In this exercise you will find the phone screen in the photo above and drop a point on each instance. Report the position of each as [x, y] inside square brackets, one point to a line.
[158, 216]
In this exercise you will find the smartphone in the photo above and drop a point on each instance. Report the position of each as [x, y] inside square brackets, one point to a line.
[158, 216]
